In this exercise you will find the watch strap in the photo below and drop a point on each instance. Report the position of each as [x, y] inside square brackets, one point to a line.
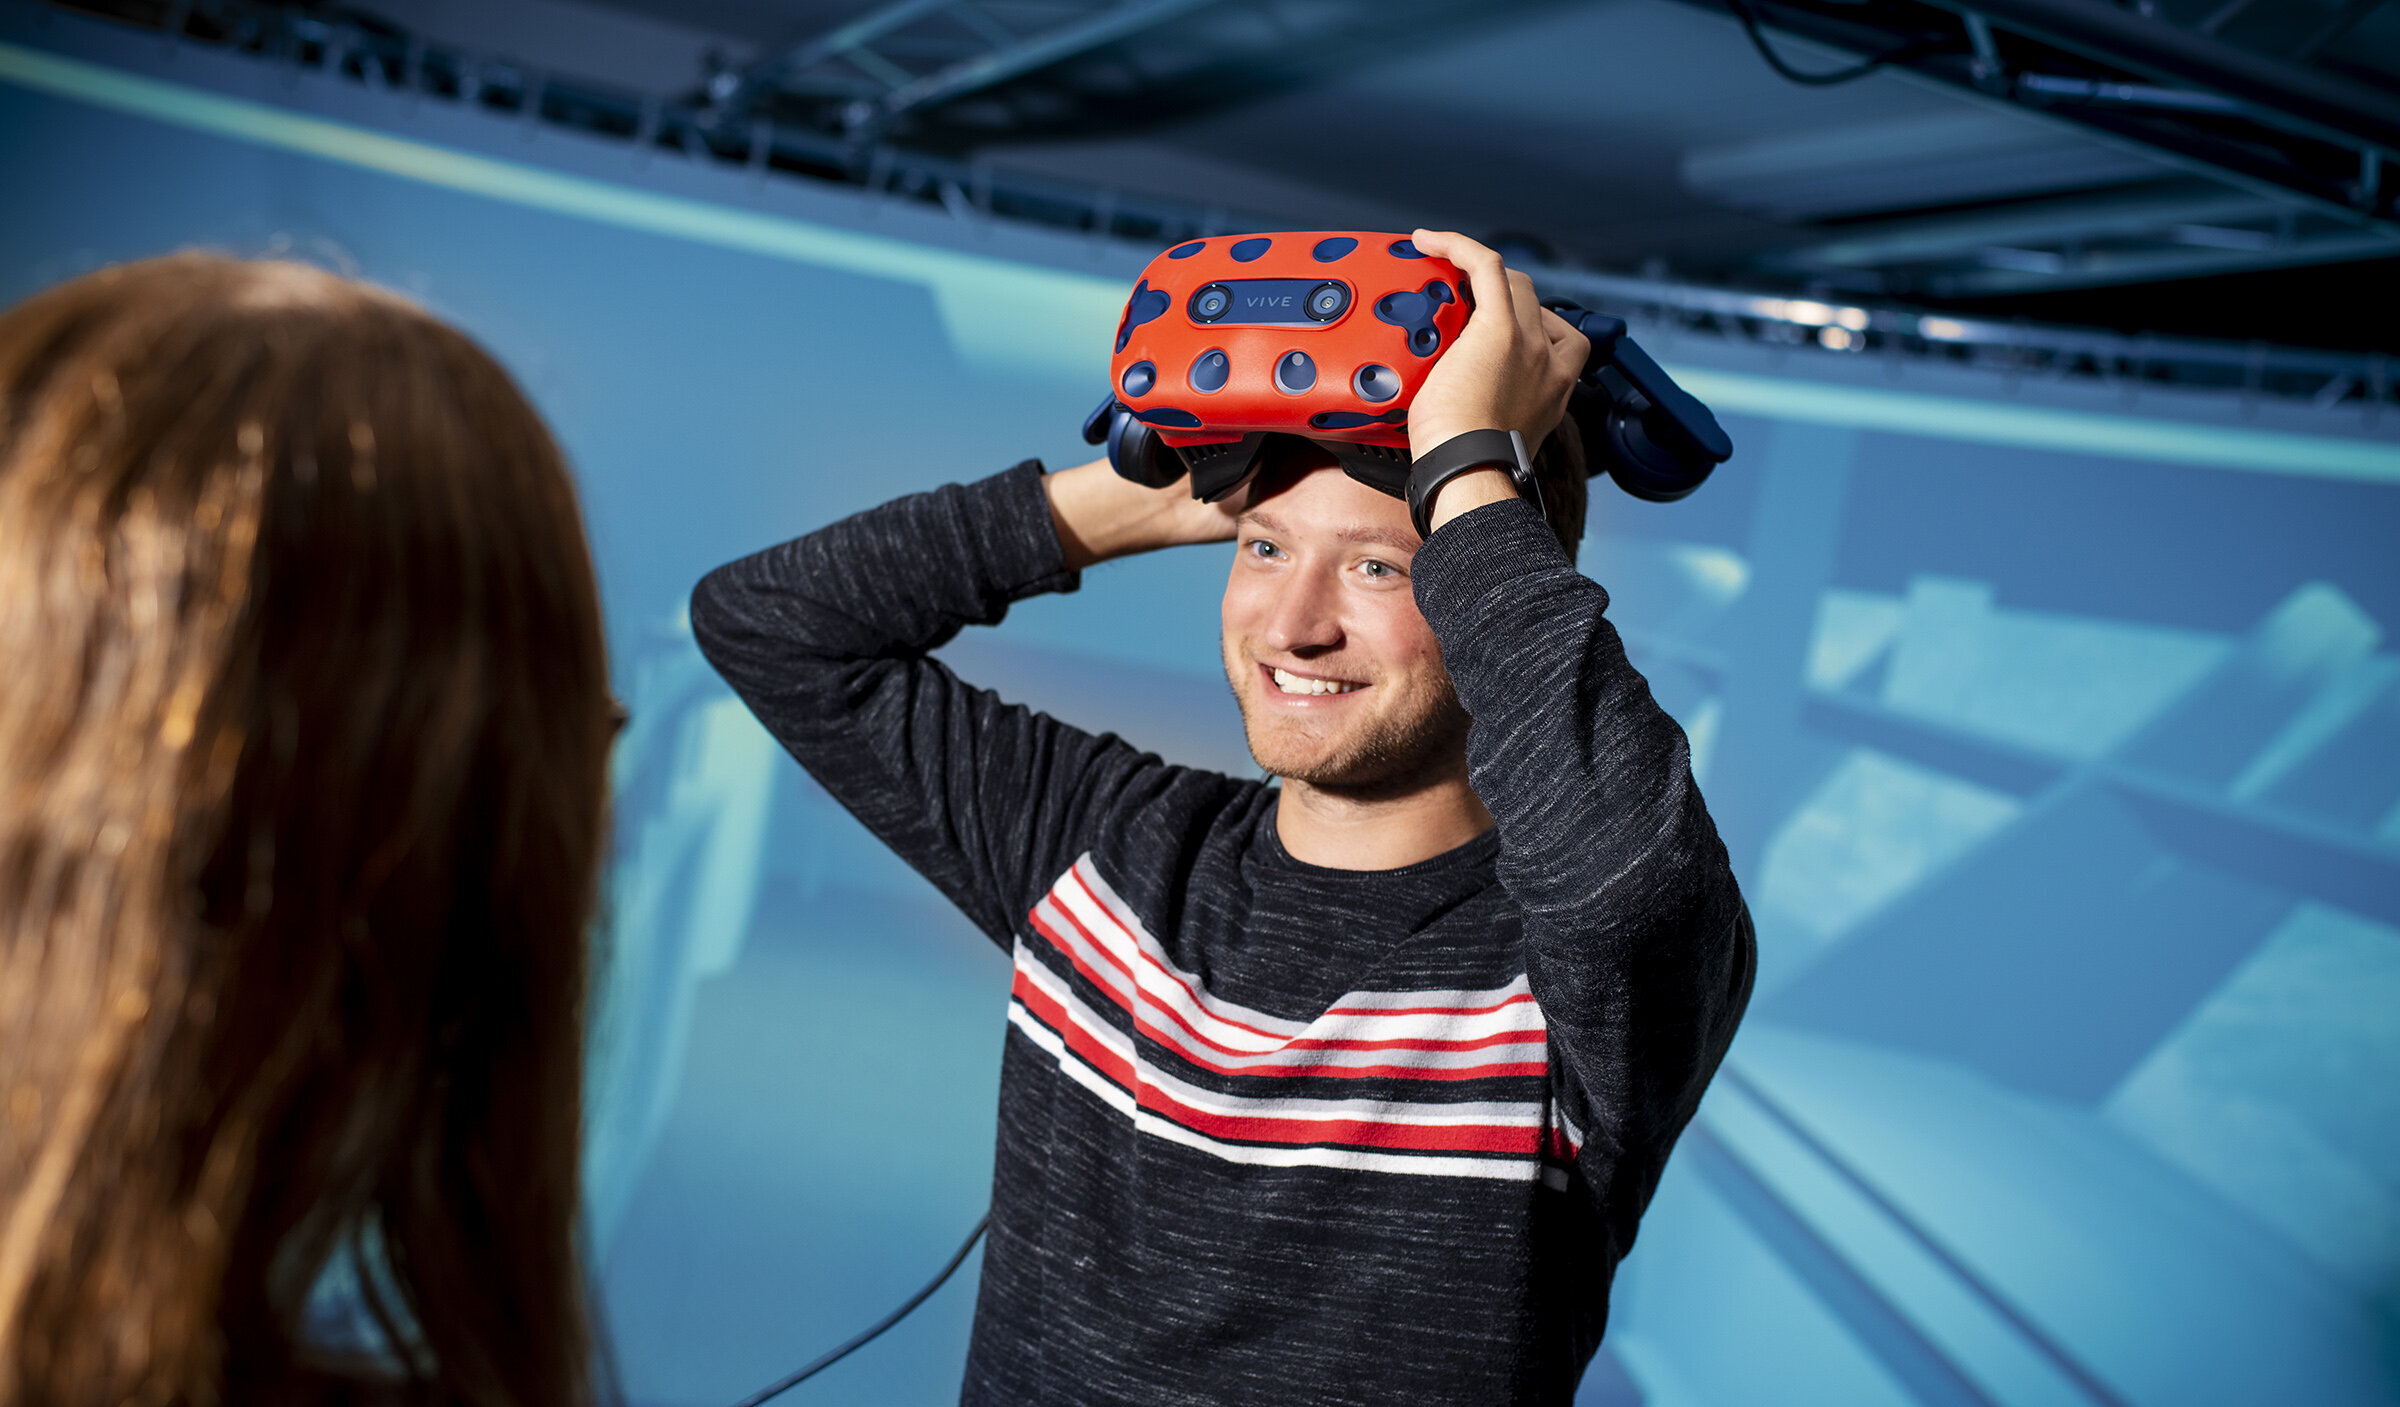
[1461, 454]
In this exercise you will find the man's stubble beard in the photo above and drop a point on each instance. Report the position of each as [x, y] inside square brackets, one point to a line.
[1392, 755]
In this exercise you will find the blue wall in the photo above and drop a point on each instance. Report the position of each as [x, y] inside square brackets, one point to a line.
[2066, 787]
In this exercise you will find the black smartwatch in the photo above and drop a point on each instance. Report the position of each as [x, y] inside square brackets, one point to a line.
[1476, 449]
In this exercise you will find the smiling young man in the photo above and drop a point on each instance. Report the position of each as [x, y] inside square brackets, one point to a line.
[1346, 1088]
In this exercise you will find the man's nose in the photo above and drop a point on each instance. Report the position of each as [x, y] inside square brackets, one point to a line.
[1306, 614]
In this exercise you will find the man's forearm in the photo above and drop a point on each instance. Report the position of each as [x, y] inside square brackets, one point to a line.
[1101, 515]
[1568, 743]
[825, 638]
[1635, 937]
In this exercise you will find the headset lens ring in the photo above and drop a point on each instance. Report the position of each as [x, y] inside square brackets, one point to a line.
[1211, 302]
[1328, 301]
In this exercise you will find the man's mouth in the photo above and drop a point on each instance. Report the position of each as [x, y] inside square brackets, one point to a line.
[1291, 683]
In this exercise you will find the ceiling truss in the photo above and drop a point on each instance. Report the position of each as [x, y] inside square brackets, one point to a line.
[381, 55]
[971, 49]
[2200, 224]
[2298, 160]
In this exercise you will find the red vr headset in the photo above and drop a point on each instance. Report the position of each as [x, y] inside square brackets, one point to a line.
[1326, 336]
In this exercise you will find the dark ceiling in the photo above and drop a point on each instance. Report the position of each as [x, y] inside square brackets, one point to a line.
[2215, 168]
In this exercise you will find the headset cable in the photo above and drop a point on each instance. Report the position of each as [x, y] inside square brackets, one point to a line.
[819, 1366]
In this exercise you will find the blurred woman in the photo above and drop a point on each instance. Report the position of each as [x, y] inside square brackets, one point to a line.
[304, 722]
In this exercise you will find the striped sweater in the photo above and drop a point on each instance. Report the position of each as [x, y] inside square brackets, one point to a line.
[1270, 1132]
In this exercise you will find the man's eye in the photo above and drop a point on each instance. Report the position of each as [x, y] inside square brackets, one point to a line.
[1260, 547]
[1378, 571]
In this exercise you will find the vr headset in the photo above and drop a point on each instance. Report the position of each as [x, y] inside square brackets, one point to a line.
[1326, 336]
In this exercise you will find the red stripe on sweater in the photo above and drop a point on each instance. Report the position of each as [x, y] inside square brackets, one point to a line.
[1516, 1140]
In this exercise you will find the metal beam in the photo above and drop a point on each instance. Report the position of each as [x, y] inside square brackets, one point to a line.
[2181, 231]
[2342, 22]
[1905, 241]
[2254, 165]
[2271, 144]
[446, 74]
[2099, 267]
[1008, 56]
[804, 54]
[2325, 105]
[2016, 347]
[1106, 27]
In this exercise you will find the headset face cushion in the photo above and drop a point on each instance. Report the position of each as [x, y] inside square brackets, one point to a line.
[1218, 470]
[1385, 472]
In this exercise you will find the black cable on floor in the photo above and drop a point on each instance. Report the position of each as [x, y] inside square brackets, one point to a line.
[819, 1366]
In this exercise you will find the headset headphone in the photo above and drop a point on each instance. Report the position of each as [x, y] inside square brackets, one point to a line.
[1265, 317]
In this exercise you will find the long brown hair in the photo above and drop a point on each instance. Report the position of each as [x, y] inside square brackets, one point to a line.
[303, 733]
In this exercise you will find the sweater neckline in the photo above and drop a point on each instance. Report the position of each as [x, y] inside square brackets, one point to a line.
[1466, 855]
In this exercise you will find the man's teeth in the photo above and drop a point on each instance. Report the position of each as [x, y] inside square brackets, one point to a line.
[1293, 684]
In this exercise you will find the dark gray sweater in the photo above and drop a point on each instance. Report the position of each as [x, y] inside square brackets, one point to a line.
[1272, 1133]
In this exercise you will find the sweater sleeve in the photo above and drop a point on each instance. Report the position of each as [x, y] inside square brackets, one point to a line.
[1638, 945]
[826, 639]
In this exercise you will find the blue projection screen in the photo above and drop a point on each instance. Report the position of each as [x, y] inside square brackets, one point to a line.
[2058, 747]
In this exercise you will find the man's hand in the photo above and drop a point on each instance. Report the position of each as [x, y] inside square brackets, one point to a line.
[1100, 514]
[1511, 369]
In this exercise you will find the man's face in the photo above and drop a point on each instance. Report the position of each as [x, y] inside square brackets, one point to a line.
[1340, 681]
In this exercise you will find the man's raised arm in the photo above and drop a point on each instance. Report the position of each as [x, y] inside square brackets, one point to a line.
[825, 637]
[1639, 947]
